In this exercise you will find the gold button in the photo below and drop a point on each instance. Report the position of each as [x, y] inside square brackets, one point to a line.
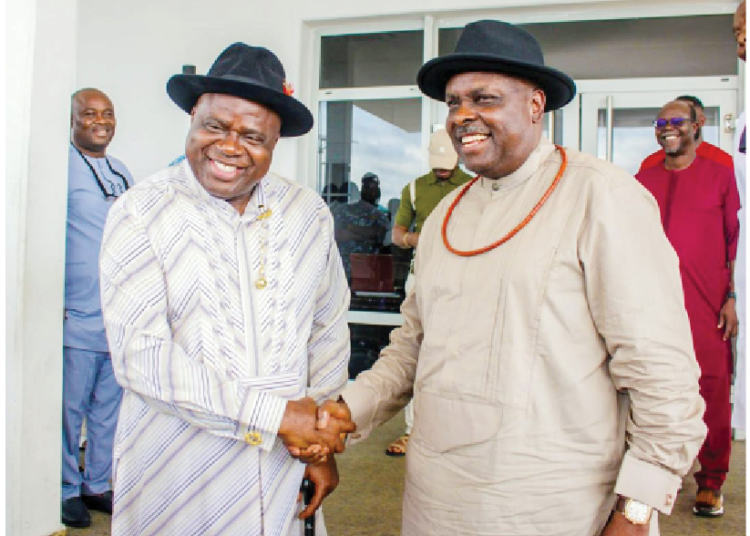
[253, 438]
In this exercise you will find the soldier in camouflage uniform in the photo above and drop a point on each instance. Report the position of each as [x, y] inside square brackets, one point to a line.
[360, 227]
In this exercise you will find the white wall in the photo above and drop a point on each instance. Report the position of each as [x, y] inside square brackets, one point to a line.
[129, 50]
[154, 39]
[40, 75]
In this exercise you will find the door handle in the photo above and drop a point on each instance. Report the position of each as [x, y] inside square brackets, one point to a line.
[551, 126]
[729, 123]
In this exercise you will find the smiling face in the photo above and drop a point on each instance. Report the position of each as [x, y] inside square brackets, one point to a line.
[92, 122]
[676, 140]
[494, 120]
[230, 145]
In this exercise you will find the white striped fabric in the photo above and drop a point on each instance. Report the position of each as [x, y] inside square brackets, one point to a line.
[205, 357]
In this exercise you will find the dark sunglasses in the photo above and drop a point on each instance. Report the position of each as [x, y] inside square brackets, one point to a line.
[675, 121]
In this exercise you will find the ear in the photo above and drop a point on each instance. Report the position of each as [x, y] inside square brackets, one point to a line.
[537, 102]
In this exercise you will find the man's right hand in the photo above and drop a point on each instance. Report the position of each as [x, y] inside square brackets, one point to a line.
[299, 427]
[332, 409]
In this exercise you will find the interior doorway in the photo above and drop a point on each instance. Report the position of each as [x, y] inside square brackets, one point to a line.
[612, 119]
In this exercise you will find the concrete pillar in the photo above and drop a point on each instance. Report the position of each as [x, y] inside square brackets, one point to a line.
[40, 73]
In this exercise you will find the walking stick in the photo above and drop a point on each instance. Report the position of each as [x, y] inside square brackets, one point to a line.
[308, 490]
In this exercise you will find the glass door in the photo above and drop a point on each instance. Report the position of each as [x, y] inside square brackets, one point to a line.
[617, 125]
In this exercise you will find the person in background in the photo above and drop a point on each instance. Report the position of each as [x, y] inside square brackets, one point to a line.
[418, 199]
[703, 148]
[90, 390]
[225, 305]
[739, 413]
[360, 227]
[330, 194]
[698, 200]
[545, 341]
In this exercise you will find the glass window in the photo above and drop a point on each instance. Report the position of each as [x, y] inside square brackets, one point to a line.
[632, 137]
[555, 121]
[367, 342]
[600, 49]
[711, 128]
[371, 60]
[368, 151]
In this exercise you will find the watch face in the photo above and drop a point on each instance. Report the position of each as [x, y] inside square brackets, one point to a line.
[637, 512]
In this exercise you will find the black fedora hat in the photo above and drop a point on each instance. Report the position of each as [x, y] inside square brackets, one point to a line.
[252, 73]
[497, 47]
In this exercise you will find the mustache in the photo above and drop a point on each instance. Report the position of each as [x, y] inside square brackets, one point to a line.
[467, 130]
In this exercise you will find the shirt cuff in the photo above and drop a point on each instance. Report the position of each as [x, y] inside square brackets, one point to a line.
[648, 483]
[260, 419]
[362, 409]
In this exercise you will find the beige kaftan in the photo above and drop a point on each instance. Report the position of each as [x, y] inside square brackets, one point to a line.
[519, 428]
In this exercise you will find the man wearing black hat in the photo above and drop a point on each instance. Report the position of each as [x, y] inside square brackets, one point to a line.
[225, 305]
[545, 342]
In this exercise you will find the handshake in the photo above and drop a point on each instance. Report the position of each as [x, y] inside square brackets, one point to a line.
[310, 433]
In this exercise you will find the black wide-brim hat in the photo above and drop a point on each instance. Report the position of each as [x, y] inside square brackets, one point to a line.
[497, 47]
[247, 72]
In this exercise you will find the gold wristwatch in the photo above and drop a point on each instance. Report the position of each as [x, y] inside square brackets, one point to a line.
[634, 511]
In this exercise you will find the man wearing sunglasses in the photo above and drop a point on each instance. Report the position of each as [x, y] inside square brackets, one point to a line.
[90, 390]
[698, 200]
[702, 148]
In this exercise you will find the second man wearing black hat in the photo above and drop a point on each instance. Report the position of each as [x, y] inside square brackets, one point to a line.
[545, 343]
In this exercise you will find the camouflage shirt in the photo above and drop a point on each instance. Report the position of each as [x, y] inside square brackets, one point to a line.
[360, 228]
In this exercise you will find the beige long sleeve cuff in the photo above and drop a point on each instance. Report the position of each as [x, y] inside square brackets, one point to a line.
[648, 483]
[363, 411]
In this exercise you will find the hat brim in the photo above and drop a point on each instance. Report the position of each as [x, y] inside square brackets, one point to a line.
[186, 89]
[434, 75]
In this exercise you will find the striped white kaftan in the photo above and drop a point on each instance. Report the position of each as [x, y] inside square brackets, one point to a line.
[207, 360]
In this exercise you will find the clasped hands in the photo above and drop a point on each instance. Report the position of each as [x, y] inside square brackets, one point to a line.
[311, 433]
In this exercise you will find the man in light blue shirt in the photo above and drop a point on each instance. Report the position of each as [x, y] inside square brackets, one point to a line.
[90, 390]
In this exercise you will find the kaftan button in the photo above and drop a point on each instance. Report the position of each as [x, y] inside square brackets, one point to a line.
[253, 438]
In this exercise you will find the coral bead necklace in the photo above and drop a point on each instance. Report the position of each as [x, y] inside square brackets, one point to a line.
[514, 231]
